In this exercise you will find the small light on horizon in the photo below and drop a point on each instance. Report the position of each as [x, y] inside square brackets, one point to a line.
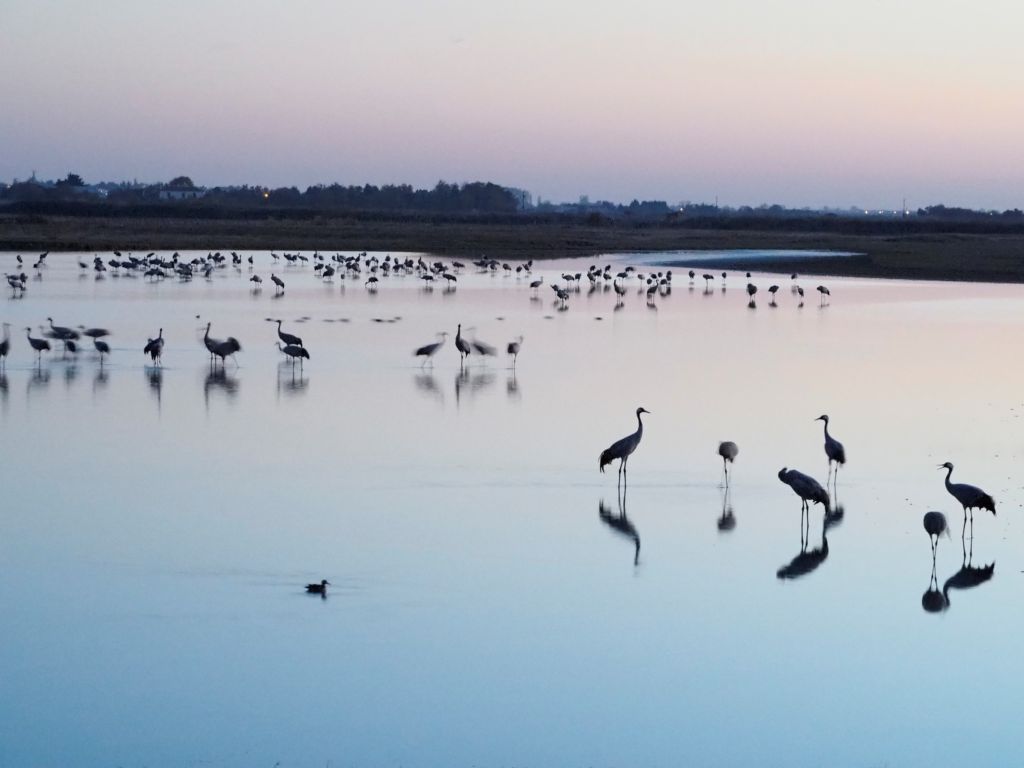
[266, 195]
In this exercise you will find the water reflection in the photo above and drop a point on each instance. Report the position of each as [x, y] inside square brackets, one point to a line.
[620, 523]
[218, 379]
[727, 520]
[155, 377]
[100, 380]
[809, 559]
[471, 382]
[290, 379]
[512, 387]
[969, 575]
[427, 384]
[39, 380]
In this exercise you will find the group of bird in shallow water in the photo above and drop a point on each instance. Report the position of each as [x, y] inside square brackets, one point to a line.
[811, 492]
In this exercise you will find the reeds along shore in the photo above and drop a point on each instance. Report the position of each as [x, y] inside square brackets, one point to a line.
[996, 257]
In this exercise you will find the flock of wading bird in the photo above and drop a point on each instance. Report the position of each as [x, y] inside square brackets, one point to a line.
[371, 270]
[811, 492]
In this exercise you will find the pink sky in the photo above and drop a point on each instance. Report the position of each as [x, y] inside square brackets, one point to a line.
[792, 102]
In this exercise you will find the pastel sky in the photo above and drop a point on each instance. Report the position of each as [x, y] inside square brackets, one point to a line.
[795, 101]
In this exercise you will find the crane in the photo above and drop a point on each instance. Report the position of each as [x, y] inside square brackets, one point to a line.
[155, 347]
[288, 338]
[461, 344]
[294, 352]
[39, 345]
[728, 450]
[806, 487]
[833, 449]
[513, 349]
[427, 351]
[970, 496]
[935, 526]
[622, 449]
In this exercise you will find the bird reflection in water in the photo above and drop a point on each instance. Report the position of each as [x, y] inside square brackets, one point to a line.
[155, 377]
[727, 520]
[39, 379]
[969, 575]
[427, 384]
[512, 387]
[4, 387]
[290, 379]
[471, 382]
[809, 559]
[217, 378]
[100, 380]
[620, 524]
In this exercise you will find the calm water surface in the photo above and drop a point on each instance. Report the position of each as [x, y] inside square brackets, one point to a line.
[491, 605]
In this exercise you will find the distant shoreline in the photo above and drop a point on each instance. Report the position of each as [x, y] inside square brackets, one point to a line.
[921, 256]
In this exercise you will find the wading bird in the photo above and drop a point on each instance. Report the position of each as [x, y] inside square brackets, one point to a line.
[513, 349]
[5, 345]
[824, 292]
[155, 347]
[935, 526]
[970, 496]
[427, 351]
[39, 345]
[833, 449]
[806, 487]
[294, 352]
[221, 349]
[461, 344]
[287, 338]
[102, 348]
[622, 449]
[278, 283]
[728, 450]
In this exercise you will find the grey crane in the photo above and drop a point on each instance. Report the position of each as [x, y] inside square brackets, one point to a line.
[728, 450]
[221, 349]
[513, 349]
[278, 283]
[824, 292]
[288, 338]
[935, 526]
[102, 348]
[294, 352]
[806, 487]
[970, 496]
[623, 449]
[833, 449]
[62, 333]
[461, 344]
[39, 345]
[155, 347]
[427, 351]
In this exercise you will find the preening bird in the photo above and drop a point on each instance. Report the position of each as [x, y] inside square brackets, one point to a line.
[806, 487]
[221, 349]
[728, 450]
[824, 292]
[513, 349]
[427, 351]
[970, 496]
[833, 448]
[622, 449]
[155, 347]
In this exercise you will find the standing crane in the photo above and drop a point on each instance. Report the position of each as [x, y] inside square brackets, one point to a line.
[294, 352]
[824, 292]
[155, 347]
[728, 450]
[623, 449]
[102, 348]
[513, 349]
[39, 345]
[288, 338]
[833, 449]
[278, 283]
[970, 496]
[461, 345]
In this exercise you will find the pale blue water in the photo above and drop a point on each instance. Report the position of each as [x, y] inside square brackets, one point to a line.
[157, 531]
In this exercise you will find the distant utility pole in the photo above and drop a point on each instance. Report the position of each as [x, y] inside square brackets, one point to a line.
[716, 202]
[904, 207]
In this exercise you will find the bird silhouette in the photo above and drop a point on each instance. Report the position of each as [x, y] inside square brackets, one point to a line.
[622, 449]
[427, 351]
[621, 524]
[728, 450]
[806, 487]
[155, 347]
[833, 450]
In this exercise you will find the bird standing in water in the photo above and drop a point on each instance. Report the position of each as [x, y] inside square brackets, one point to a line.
[622, 449]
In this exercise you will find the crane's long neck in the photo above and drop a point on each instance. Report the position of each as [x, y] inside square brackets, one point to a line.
[639, 425]
[826, 431]
[207, 334]
[949, 471]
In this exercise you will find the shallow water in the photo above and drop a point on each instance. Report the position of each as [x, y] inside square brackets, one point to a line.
[490, 606]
